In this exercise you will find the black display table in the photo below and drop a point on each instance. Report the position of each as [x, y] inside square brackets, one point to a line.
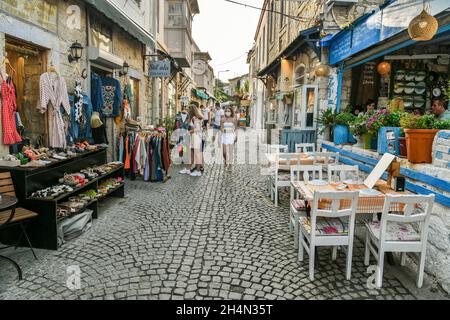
[43, 230]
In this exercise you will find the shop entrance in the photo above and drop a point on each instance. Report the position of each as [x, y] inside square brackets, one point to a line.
[28, 64]
[305, 102]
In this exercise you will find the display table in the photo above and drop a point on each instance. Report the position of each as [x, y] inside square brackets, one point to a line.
[43, 230]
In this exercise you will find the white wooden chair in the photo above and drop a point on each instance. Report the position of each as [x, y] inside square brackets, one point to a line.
[298, 206]
[395, 231]
[280, 177]
[342, 171]
[325, 159]
[305, 147]
[327, 227]
[278, 148]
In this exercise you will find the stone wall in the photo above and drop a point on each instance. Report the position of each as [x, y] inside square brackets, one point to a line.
[46, 24]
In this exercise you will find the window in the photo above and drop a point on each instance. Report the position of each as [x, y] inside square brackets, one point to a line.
[101, 33]
[282, 16]
[272, 23]
[134, 101]
[175, 14]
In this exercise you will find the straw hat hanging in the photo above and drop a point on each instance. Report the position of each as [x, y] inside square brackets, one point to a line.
[423, 27]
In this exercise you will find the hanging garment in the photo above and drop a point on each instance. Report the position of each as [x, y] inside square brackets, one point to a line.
[10, 134]
[78, 99]
[82, 130]
[127, 153]
[121, 148]
[97, 92]
[99, 135]
[112, 96]
[53, 90]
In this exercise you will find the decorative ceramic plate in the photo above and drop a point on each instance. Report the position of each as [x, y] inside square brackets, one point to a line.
[410, 76]
[350, 181]
[410, 88]
[420, 76]
[370, 192]
[318, 182]
[436, 92]
[400, 75]
[398, 90]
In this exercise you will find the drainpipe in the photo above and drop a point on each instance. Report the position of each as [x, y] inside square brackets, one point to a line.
[155, 52]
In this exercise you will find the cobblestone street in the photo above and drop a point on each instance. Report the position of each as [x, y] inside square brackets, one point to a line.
[217, 236]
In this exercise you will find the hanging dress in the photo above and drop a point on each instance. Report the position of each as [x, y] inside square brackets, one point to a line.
[53, 89]
[10, 134]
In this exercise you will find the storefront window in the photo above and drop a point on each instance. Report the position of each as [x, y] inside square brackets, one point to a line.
[28, 63]
[310, 106]
[299, 81]
[175, 14]
[101, 33]
[134, 102]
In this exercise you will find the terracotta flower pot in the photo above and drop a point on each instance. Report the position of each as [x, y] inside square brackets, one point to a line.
[419, 144]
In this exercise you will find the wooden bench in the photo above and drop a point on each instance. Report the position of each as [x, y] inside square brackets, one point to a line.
[13, 217]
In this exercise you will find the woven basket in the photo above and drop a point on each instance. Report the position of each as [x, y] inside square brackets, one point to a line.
[423, 27]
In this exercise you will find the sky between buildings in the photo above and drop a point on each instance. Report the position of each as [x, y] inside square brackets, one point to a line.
[226, 31]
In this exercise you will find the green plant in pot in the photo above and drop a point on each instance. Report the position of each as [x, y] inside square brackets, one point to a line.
[325, 121]
[420, 132]
[358, 128]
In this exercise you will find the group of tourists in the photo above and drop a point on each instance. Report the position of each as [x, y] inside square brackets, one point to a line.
[192, 127]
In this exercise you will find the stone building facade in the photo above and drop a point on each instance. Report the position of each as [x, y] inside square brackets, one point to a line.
[42, 31]
[291, 30]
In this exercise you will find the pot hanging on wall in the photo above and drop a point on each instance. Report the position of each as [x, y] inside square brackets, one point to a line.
[423, 27]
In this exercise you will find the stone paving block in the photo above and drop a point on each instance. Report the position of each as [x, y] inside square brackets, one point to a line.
[166, 242]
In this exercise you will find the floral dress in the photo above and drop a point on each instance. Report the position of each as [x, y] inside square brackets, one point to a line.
[9, 107]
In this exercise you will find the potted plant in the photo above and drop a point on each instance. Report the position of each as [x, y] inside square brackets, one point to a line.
[420, 132]
[390, 123]
[325, 122]
[358, 128]
[341, 128]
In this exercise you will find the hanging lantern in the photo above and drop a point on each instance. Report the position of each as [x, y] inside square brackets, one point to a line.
[322, 70]
[384, 68]
[423, 27]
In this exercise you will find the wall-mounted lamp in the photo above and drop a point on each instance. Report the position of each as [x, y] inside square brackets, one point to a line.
[76, 52]
[125, 69]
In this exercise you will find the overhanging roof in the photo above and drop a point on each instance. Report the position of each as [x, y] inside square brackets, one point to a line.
[305, 38]
[113, 12]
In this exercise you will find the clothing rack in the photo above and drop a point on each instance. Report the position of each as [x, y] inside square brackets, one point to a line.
[145, 153]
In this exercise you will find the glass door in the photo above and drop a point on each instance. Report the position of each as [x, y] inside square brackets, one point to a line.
[305, 103]
[310, 96]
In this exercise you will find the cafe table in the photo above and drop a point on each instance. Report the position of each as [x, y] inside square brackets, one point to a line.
[366, 204]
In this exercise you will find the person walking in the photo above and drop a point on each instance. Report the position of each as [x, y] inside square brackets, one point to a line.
[217, 121]
[182, 120]
[196, 131]
[228, 129]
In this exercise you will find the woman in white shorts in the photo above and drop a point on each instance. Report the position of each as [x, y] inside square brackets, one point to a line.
[228, 129]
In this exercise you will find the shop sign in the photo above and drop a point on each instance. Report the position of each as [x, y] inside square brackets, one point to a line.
[159, 69]
[378, 26]
[332, 88]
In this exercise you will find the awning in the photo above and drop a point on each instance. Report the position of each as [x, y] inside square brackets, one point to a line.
[200, 94]
[308, 37]
[113, 12]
